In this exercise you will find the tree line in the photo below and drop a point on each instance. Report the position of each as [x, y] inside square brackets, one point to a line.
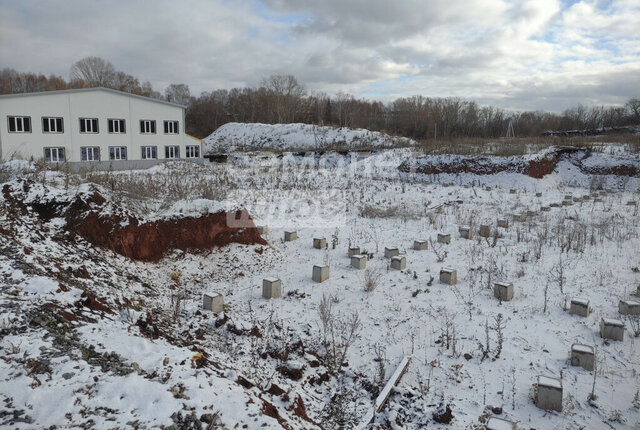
[283, 99]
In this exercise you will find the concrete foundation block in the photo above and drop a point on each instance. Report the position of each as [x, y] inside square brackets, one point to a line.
[319, 242]
[579, 307]
[549, 395]
[320, 273]
[391, 252]
[538, 194]
[495, 423]
[290, 236]
[567, 203]
[399, 262]
[545, 208]
[583, 356]
[611, 329]
[359, 261]
[629, 307]
[631, 203]
[353, 251]
[448, 276]
[531, 214]
[503, 222]
[444, 238]
[465, 232]
[512, 191]
[488, 188]
[213, 302]
[271, 288]
[554, 205]
[519, 217]
[485, 230]
[503, 291]
[420, 245]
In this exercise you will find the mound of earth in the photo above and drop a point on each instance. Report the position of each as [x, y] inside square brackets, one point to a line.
[102, 223]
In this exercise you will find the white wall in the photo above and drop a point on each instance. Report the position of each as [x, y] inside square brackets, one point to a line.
[95, 103]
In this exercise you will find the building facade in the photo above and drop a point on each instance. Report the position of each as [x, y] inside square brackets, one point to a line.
[94, 126]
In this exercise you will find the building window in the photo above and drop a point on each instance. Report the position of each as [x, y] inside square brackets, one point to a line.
[193, 151]
[19, 124]
[172, 151]
[90, 153]
[116, 126]
[171, 127]
[117, 153]
[52, 125]
[147, 126]
[149, 152]
[88, 125]
[54, 154]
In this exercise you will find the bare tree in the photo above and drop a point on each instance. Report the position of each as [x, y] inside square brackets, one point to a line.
[95, 71]
[178, 93]
[337, 334]
[633, 105]
[285, 93]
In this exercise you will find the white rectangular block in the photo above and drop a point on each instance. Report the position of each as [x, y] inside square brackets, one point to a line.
[354, 251]
[629, 307]
[399, 262]
[579, 307]
[390, 252]
[485, 230]
[319, 242]
[420, 245]
[320, 273]
[583, 356]
[448, 276]
[444, 238]
[549, 394]
[611, 329]
[503, 222]
[213, 302]
[465, 232]
[503, 291]
[290, 236]
[271, 288]
[359, 261]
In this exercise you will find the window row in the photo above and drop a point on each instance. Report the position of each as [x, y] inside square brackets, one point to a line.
[22, 124]
[92, 153]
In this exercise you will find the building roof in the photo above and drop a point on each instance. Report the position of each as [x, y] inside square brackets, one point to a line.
[80, 90]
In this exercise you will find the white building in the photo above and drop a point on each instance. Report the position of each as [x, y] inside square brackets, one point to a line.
[94, 127]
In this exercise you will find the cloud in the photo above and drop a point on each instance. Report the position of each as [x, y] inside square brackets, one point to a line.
[522, 54]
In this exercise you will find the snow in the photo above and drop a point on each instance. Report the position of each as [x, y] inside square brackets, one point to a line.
[547, 381]
[271, 279]
[233, 136]
[582, 348]
[612, 322]
[580, 302]
[406, 314]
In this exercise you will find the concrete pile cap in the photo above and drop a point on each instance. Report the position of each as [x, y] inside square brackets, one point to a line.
[550, 382]
[212, 295]
[504, 284]
[581, 302]
[613, 322]
[271, 279]
[398, 257]
[320, 266]
[630, 302]
[578, 347]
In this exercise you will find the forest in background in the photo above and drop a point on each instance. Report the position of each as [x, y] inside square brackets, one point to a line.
[283, 99]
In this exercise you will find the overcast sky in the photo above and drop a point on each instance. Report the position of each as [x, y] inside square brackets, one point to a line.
[532, 54]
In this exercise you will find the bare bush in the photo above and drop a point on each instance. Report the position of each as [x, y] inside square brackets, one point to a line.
[338, 334]
[371, 279]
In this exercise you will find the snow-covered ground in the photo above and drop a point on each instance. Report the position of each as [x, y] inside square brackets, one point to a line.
[235, 136]
[264, 363]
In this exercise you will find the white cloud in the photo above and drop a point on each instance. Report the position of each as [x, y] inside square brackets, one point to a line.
[519, 54]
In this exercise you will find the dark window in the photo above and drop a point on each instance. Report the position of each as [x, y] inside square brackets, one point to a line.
[90, 153]
[117, 153]
[172, 151]
[149, 152]
[171, 127]
[116, 126]
[88, 125]
[147, 126]
[193, 151]
[54, 154]
[19, 124]
[52, 125]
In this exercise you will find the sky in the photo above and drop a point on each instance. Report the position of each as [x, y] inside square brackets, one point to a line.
[521, 55]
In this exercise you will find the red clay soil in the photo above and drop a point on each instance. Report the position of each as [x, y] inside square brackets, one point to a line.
[150, 241]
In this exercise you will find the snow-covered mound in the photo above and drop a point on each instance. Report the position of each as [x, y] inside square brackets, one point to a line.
[235, 136]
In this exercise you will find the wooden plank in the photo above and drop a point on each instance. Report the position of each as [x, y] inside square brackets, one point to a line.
[385, 393]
